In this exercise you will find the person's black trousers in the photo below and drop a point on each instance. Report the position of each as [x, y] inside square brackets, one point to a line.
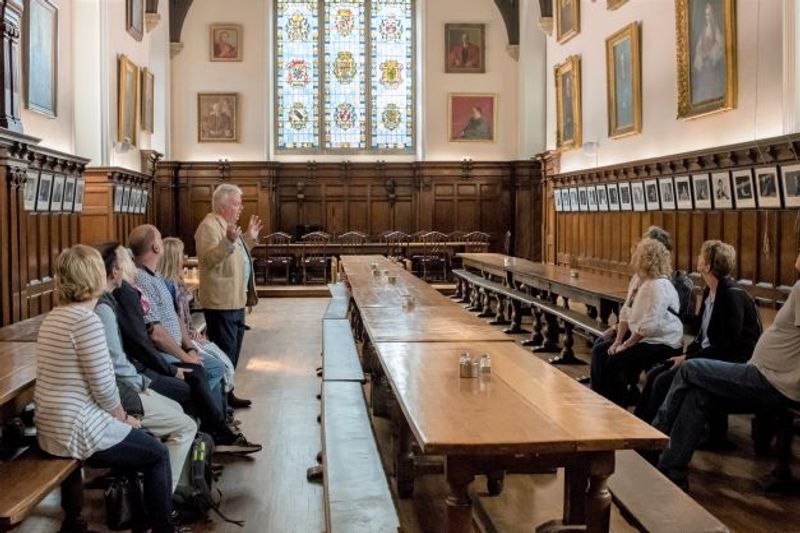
[623, 368]
[226, 328]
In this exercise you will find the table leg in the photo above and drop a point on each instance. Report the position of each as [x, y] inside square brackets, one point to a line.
[474, 298]
[486, 304]
[591, 311]
[551, 336]
[516, 319]
[500, 314]
[606, 310]
[403, 454]
[459, 504]
[598, 497]
[567, 356]
[576, 480]
[459, 294]
[537, 339]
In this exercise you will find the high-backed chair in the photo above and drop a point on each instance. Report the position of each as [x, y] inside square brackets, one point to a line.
[396, 242]
[476, 241]
[456, 236]
[276, 258]
[434, 258]
[352, 242]
[315, 257]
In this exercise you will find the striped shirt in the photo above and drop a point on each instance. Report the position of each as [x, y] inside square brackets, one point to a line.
[75, 386]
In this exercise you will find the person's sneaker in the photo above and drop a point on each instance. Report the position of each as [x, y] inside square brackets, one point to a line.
[236, 402]
[238, 445]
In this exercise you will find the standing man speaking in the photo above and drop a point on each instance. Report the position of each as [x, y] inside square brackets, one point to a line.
[227, 284]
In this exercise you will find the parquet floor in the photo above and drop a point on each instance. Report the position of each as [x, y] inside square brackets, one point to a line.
[270, 491]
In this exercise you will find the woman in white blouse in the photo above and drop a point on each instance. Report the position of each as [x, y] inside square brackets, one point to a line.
[78, 409]
[655, 331]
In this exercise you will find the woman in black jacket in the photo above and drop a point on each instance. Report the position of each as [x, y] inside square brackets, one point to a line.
[729, 325]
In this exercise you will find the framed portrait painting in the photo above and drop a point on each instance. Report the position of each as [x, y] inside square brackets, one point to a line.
[568, 104]
[566, 206]
[217, 117]
[767, 187]
[57, 198]
[583, 199]
[40, 52]
[637, 196]
[625, 202]
[613, 197]
[707, 67]
[146, 105]
[568, 19]
[602, 198]
[591, 195]
[791, 185]
[557, 200]
[118, 191]
[624, 82]
[464, 48]
[667, 191]
[651, 195]
[701, 184]
[614, 4]
[472, 117]
[134, 18]
[683, 192]
[45, 189]
[226, 42]
[127, 101]
[31, 185]
[721, 190]
[145, 196]
[743, 189]
[69, 194]
[574, 204]
[80, 188]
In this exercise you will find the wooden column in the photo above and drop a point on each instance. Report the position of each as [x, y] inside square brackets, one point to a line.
[10, 89]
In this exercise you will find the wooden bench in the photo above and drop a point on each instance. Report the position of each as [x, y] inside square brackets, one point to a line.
[356, 491]
[653, 503]
[339, 305]
[23, 331]
[340, 360]
[28, 478]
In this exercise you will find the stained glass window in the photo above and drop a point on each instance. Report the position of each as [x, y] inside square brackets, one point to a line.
[345, 76]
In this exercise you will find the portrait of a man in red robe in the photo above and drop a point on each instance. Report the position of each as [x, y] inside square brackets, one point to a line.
[226, 43]
[464, 48]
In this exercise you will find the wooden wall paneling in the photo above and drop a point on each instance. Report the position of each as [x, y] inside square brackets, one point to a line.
[789, 244]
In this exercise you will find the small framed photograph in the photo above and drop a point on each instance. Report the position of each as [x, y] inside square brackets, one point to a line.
[80, 187]
[591, 193]
[743, 189]
[767, 187]
[573, 200]
[583, 199]
[31, 185]
[565, 204]
[602, 198]
[140, 203]
[145, 196]
[557, 199]
[625, 203]
[651, 195]
[613, 197]
[667, 189]
[683, 192]
[69, 194]
[721, 190]
[118, 191]
[126, 197]
[45, 189]
[57, 199]
[702, 191]
[637, 196]
[791, 185]
[136, 200]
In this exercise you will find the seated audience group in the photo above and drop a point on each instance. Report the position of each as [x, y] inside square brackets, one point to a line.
[124, 379]
[729, 367]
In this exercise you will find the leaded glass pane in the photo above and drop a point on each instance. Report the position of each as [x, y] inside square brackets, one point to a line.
[392, 52]
[297, 71]
[345, 74]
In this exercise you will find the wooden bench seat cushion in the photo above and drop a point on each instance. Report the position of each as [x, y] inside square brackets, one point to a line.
[655, 504]
[340, 360]
[356, 491]
[26, 480]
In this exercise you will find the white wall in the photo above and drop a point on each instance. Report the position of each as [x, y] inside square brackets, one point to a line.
[57, 133]
[760, 108]
[533, 80]
[192, 72]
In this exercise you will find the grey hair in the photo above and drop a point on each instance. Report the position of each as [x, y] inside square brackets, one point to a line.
[222, 194]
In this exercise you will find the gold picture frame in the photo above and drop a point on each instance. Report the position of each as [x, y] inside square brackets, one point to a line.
[146, 105]
[569, 128]
[127, 101]
[218, 117]
[225, 42]
[611, 5]
[624, 81]
[568, 19]
[707, 65]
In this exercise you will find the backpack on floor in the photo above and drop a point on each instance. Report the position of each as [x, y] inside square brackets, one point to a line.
[685, 287]
[195, 496]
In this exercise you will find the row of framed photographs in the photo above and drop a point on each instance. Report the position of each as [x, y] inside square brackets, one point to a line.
[47, 192]
[770, 188]
[130, 199]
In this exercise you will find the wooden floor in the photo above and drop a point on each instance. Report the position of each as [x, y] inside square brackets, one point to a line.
[270, 491]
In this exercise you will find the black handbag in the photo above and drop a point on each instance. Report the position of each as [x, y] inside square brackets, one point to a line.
[124, 499]
[130, 400]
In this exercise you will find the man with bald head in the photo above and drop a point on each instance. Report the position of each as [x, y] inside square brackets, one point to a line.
[227, 284]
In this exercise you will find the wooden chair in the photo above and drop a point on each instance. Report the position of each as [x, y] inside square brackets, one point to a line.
[315, 256]
[277, 257]
[476, 241]
[418, 235]
[352, 242]
[396, 242]
[434, 255]
[456, 236]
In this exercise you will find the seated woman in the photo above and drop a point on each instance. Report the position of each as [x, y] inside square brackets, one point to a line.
[656, 332]
[162, 416]
[78, 410]
[170, 266]
[729, 325]
[618, 333]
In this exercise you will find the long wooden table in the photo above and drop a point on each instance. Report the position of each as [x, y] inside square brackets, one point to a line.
[17, 374]
[602, 294]
[523, 417]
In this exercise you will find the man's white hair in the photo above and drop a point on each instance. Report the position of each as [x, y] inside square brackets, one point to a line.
[222, 195]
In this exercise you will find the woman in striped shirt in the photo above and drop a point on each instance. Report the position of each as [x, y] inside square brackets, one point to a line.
[78, 410]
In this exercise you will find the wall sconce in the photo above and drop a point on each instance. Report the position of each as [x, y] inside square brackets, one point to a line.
[224, 168]
[466, 168]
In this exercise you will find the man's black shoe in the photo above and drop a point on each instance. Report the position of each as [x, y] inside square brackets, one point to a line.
[237, 402]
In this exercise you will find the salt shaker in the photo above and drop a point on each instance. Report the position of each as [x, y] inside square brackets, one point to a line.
[474, 368]
[486, 364]
[464, 365]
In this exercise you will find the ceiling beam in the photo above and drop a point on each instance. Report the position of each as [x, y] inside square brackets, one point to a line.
[178, 9]
[509, 9]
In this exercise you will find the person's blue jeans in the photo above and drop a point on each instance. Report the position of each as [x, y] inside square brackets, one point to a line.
[141, 452]
[215, 372]
[700, 385]
[225, 328]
